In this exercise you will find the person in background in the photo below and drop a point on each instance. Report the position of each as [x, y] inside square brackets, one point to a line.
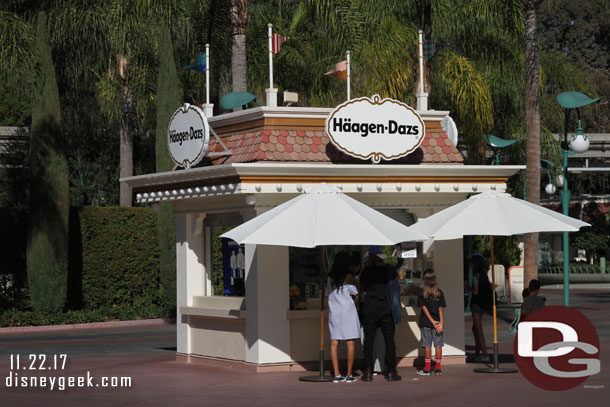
[481, 303]
[379, 346]
[377, 312]
[431, 322]
[355, 264]
[343, 320]
[532, 302]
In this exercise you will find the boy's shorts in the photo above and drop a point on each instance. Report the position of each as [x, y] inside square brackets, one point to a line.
[429, 335]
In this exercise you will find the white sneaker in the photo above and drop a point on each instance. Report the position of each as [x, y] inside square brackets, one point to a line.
[339, 379]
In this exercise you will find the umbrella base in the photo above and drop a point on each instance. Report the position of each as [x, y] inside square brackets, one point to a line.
[320, 377]
[316, 378]
[495, 370]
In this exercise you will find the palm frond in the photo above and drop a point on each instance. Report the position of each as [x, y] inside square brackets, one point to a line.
[17, 51]
[468, 97]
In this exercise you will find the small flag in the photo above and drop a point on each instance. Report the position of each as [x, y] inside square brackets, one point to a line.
[198, 65]
[339, 71]
[431, 48]
[276, 42]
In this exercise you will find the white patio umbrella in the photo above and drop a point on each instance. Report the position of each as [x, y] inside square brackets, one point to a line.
[322, 216]
[494, 213]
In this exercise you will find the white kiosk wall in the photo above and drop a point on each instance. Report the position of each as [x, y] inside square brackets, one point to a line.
[267, 281]
[189, 272]
[448, 260]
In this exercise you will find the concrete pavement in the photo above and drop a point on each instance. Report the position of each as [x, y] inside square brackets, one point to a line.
[146, 356]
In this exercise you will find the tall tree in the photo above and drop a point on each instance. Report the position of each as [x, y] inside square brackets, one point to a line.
[47, 247]
[240, 14]
[532, 123]
[169, 98]
[124, 36]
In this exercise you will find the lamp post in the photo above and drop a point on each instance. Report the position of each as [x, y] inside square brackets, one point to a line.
[579, 144]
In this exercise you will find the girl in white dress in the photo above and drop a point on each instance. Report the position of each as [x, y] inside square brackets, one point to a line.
[343, 320]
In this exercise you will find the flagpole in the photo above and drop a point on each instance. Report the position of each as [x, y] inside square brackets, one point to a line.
[421, 61]
[348, 76]
[422, 96]
[207, 74]
[270, 27]
[271, 92]
[209, 108]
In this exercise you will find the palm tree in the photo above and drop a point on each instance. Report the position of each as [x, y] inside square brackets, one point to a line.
[123, 37]
[383, 39]
[17, 51]
[240, 13]
[532, 119]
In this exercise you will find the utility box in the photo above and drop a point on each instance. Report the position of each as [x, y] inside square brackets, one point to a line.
[516, 284]
[290, 98]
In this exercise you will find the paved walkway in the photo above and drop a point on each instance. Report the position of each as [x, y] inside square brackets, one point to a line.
[146, 355]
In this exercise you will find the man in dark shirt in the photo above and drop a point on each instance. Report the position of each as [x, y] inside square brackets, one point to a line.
[377, 313]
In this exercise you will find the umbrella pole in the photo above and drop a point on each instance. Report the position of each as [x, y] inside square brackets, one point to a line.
[496, 368]
[322, 312]
[321, 377]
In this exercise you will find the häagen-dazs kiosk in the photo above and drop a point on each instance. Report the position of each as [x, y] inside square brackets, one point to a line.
[254, 307]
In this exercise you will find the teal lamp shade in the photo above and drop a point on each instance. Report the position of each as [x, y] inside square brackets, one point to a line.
[573, 100]
[237, 99]
[198, 65]
[499, 142]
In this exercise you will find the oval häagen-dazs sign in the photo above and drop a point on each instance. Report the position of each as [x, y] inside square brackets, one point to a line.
[374, 128]
[188, 135]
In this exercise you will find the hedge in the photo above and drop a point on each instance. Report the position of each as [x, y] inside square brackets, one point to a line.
[13, 274]
[120, 257]
[113, 268]
[32, 318]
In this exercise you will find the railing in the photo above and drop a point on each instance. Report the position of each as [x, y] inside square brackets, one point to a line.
[575, 268]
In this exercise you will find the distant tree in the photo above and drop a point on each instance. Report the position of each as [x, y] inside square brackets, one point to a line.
[169, 99]
[122, 37]
[18, 56]
[47, 247]
[240, 14]
[595, 240]
[580, 32]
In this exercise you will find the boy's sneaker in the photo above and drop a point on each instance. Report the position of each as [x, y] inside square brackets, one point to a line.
[350, 379]
[338, 379]
[438, 372]
[423, 372]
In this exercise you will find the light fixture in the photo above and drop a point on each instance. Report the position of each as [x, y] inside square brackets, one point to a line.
[559, 180]
[250, 200]
[550, 189]
[579, 142]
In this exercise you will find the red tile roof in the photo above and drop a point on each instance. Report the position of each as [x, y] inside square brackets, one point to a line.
[315, 146]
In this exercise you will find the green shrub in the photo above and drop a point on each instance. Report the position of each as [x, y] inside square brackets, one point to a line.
[13, 274]
[125, 312]
[120, 257]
